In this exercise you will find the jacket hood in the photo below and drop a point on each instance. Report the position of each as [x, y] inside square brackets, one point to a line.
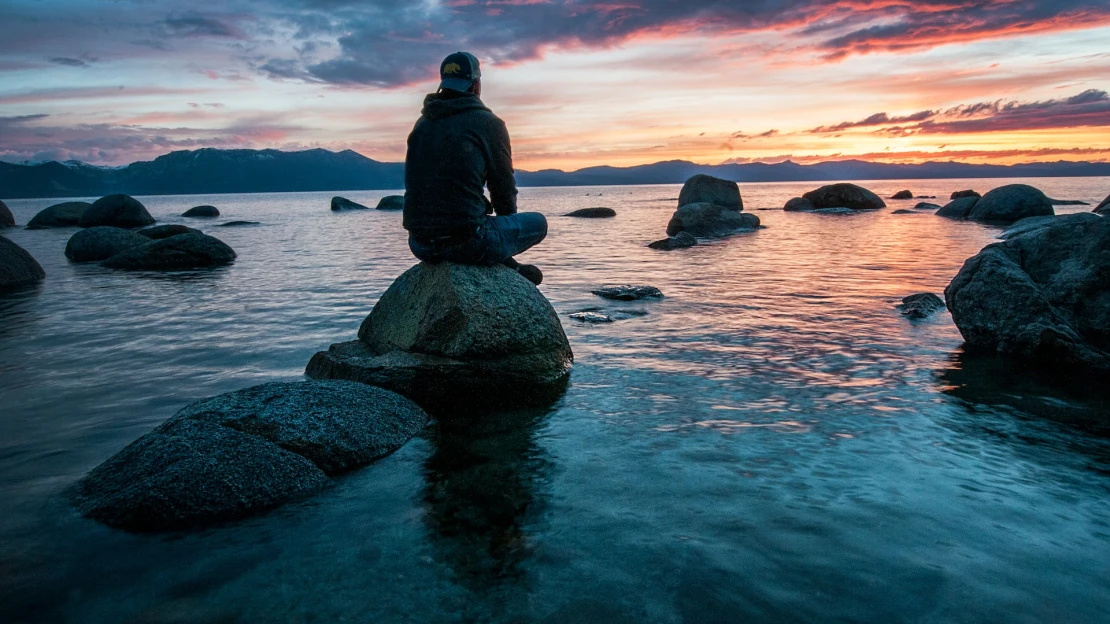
[440, 105]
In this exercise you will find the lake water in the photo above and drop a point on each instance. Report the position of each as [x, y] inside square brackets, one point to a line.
[770, 442]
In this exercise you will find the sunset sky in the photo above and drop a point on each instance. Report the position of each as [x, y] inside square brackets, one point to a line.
[618, 82]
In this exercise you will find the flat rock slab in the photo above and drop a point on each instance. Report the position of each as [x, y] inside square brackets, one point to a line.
[628, 292]
[241, 453]
[65, 214]
[17, 266]
[176, 253]
[102, 242]
[593, 213]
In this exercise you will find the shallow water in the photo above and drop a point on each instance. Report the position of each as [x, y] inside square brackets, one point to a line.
[770, 442]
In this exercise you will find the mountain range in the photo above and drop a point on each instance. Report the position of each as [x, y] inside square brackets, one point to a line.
[213, 170]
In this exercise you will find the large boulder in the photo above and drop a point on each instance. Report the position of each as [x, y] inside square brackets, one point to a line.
[158, 232]
[391, 202]
[117, 210]
[958, 208]
[6, 217]
[1007, 204]
[1042, 296]
[962, 194]
[902, 195]
[65, 214]
[17, 267]
[342, 203]
[176, 253]
[1104, 207]
[241, 453]
[705, 189]
[101, 242]
[444, 333]
[202, 211]
[844, 195]
[799, 204]
[702, 219]
[592, 213]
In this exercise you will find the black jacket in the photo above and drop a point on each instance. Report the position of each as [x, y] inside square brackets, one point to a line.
[457, 147]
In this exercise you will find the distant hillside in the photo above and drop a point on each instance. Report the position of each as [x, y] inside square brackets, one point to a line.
[257, 171]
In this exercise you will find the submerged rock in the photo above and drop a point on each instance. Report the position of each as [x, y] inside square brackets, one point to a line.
[591, 317]
[202, 211]
[158, 232]
[592, 213]
[904, 211]
[705, 189]
[799, 204]
[1042, 296]
[1104, 206]
[444, 333]
[342, 203]
[116, 210]
[710, 220]
[176, 253]
[1067, 202]
[921, 305]
[65, 214]
[1010, 203]
[682, 240]
[242, 453]
[962, 194]
[902, 195]
[6, 217]
[926, 206]
[391, 202]
[844, 195]
[628, 292]
[958, 208]
[102, 242]
[238, 223]
[17, 267]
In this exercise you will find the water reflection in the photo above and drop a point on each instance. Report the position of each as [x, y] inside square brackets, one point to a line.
[17, 309]
[486, 478]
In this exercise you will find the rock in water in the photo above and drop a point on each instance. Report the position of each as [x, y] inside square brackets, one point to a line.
[904, 211]
[926, 206]
[238, 223]
[902, 195]
[176, 253]
[962, 194]
[6, 217]
[921, 305]
[1104, 207]
[799, 204]
[1035, 223]
[1042, 296]
[202, 211]
[342, 203]
[158, 232]
[628, 292]
[102, 242]
[704, 189]
[591, 317]
[17, 267]
[116, 210]
[710, 220]
[65, 214]
[958, 208]
[445, 333]
[241, 453]
[391, 202]
[593, 213]
[1067, 202]
[1007, 204]
[682, 240]
[844, 195]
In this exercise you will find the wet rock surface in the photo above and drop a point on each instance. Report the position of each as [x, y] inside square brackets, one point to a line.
[1042, 296]
[17, 266]
[121, 211]
[181, 252]
[342, 203]
[591, 317]
[710, 220]
[628, 292]
[202, 211]
[682, 240]
[65, 214]
[921, 305]
[705, 189]
[102, 242]
[593, 213]
[844, 195]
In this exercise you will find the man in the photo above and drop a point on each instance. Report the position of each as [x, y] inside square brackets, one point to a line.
[457, 147]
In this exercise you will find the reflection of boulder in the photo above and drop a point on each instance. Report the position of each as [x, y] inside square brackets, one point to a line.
[844, 195]
[65, 214]
[7, 219]
[17, 267]
[1042, 296]
[705, 189]
[391, 202]
[682, 240]
[1010, 203]
[116, 210]
[342, 203]
[241, 453]
[593, 213]
[102, 242]
[176, 253]
[710, 220]
[902, 195]
[446, 331]
[202, 211]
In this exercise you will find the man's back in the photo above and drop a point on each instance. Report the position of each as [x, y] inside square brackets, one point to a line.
[456, 148]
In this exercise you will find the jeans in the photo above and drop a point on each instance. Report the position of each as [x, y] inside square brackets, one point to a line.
[496, 241]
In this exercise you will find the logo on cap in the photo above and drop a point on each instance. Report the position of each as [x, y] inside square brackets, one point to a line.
[452, 68]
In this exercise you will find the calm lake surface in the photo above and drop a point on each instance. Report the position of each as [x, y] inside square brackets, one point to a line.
[770, 442]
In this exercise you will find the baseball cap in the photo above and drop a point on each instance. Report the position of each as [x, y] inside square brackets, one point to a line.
[458, 71]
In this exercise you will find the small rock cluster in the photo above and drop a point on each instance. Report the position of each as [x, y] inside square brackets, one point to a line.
[707, 207]
[1001, 206]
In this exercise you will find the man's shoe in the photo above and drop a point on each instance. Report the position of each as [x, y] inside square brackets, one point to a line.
[531, 273]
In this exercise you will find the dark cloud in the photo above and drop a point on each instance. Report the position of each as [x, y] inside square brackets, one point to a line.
[747, 137]
[69, 62]
[878, 119]
[1090, 108]
[197, 25]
